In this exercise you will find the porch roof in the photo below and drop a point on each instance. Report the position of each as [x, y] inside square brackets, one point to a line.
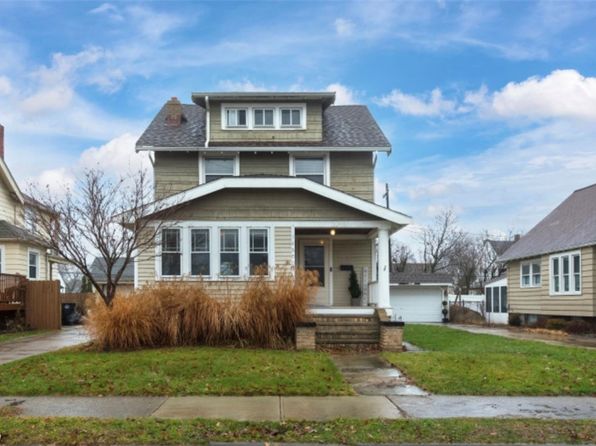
[397, 219]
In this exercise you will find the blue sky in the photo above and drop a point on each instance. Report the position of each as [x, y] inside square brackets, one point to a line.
[490, 107]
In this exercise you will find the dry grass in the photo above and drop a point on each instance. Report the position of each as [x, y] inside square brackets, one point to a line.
[180, 313]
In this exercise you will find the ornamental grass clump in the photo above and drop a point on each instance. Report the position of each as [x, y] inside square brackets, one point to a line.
[169, 314]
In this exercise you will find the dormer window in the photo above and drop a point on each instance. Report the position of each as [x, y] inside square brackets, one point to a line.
[263, 117]
[236, 118]
[291, 117]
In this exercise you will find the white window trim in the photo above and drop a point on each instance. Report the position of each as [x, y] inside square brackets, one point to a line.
[190, 251]
[571, 291]
[264, 127]
[2, 258]
[204, 156]
[326, 163]
[276, 116]
[530, 263]
[292, 126]
[214, 245]
[37, 271]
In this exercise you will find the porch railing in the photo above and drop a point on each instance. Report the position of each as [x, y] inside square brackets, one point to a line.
[13, 288]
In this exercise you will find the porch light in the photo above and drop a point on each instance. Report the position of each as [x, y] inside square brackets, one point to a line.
[332, 232]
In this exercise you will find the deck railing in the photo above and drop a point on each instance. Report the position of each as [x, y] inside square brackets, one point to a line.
[13, 288]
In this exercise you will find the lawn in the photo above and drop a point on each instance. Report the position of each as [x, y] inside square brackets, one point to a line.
[63, 431]
[461, 363]
[6, 337]
[174, 371]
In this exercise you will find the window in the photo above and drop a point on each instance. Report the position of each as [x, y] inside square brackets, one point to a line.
[489, 299]
[30, 219]
[311, 168]
[263, 117]
[291, 117]
[565, 273]
[200, 264]
[496, 299]
[33, 264]
[236, 117]
[314, 260]
[503, 299]
[216, 168]
[229, 255]
[530, 274]
[496, 295]
[258, 250]
[170, 252]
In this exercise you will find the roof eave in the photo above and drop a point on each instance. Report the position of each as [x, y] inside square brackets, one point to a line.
[327, 98]
[297, 148]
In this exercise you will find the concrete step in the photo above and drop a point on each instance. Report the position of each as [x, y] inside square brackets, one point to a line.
[346, 338]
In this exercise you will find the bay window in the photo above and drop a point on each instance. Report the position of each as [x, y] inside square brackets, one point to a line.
[171, 253]
[530, 276]
[229, 257]
[565, 273]
[258, 251]
[200, 255]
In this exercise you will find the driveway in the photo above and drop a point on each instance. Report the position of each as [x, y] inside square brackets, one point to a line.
[513, 333]
[36, 345]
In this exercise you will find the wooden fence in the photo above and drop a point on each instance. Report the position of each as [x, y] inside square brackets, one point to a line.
[43, 309]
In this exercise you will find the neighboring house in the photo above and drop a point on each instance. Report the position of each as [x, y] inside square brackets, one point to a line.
[277, 179]
[20, 251]
[127, 280]
[551, 270]
[495, 249]
[417, 295]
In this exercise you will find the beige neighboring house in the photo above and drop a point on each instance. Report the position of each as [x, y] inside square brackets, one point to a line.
[551, 270]
[20, 251]
[276, 179]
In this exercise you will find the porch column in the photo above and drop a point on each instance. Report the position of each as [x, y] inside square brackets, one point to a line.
[383, 276]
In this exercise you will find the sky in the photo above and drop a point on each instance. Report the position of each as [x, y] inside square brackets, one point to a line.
[490, 107]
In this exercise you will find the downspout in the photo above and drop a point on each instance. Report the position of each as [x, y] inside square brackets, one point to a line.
[207, 122]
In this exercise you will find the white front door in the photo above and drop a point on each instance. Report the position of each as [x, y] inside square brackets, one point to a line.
[314, 256]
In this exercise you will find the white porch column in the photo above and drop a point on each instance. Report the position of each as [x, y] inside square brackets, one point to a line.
[383, 300]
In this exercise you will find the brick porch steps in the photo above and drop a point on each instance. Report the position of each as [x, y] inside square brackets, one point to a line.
[347, 330]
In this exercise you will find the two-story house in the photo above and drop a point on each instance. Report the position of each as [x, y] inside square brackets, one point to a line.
[276, 179]
[551, 270]
[21, 252]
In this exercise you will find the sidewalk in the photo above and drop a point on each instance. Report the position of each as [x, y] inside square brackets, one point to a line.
[275, 408]
[36, 345]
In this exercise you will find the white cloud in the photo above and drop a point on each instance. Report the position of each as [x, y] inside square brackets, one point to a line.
[152, 24]
[561, 94]
[343, 27]
[5, 86]
[48, 100]
[244, 85]
[343, 94]
[433, 104]
[108, 9]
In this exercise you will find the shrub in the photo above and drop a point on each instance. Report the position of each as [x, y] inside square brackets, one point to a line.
[515, 319]
[184, 313]
[556, 324]
[580, 326]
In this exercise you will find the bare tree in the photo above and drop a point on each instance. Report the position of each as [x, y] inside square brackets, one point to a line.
[103, 215]
[466, 262]
[71, 277]
[438, 240]
[401, 254]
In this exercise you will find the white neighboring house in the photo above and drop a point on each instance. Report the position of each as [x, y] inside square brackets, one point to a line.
[417, 296]
[495, 300]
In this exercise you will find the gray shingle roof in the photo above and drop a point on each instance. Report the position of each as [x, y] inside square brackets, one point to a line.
[414, 273]
[343, 126]
[98, 270]
[8, 231]
[500, 246]
[571, 225]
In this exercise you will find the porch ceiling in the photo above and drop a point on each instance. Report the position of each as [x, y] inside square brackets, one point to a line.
[338, 231]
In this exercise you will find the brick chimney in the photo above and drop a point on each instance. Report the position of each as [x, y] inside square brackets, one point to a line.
[174, 115]
[516, 237]
[1, 141]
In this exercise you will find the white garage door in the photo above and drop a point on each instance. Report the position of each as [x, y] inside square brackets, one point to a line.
[417, 304]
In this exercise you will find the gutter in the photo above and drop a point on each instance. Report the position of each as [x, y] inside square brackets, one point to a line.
[207, 122]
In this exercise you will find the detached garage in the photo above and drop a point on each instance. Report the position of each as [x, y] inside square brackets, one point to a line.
[417, 296]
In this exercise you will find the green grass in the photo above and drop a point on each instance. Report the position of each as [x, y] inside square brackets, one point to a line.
[461, 363]
[6, 337]
[65, 431]
[174, 371]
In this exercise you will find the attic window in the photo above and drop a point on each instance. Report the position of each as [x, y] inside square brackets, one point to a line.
[236, 117]
[291, 117]
[263, 117]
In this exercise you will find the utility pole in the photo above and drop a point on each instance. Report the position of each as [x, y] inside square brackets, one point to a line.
[386, 197]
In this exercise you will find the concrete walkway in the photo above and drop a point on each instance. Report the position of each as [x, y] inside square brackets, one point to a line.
[512, 333]
[36, 345]
[275, 408]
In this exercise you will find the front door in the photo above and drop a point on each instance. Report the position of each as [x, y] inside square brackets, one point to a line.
[315, 257]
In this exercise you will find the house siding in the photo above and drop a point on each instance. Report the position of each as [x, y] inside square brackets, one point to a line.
[266, 204]
[349, 252]
[264, 164]
[174, 172]
[353, 173]
[10, 210]
[16, 259]
[539, 301]
[313, 131]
